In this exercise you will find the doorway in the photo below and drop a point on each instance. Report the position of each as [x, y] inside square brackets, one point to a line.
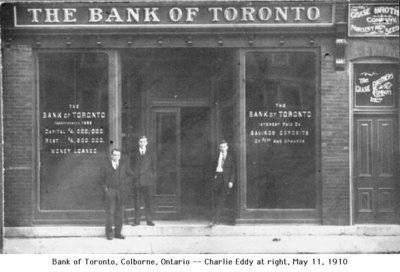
[375, 169]
[182, 138]
[183, 100]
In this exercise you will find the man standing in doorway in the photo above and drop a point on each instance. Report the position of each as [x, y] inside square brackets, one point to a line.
[144, 169]
[223, 181]
[115, 178]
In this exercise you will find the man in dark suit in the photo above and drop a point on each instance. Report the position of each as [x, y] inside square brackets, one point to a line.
[223, 181]
[115, 178]
[144, 168]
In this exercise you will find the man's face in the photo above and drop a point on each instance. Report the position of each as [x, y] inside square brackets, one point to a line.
[143, 143]
[116, 156]
[223, 147]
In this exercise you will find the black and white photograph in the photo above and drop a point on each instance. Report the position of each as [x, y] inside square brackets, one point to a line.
[253, 135]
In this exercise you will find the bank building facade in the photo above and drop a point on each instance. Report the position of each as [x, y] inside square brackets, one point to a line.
[306, 93]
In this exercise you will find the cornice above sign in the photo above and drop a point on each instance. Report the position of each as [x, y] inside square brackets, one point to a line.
[158, 15]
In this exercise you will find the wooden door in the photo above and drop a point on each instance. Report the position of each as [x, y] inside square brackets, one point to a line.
[376, 169]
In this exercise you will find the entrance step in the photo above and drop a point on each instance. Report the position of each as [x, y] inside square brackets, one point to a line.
[168, 228]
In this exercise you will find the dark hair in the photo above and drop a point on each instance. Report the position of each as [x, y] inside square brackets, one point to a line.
[115, 149]
[223, 142]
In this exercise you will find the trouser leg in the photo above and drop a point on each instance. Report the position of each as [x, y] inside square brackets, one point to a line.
[147, 202]
[110, 211]
[118, 217]
[137, 196]
[219, 199]
[220, 203]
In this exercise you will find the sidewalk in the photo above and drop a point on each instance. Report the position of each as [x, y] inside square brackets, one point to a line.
[196, 237]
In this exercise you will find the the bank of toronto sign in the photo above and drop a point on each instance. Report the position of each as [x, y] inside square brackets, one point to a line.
[249, 14]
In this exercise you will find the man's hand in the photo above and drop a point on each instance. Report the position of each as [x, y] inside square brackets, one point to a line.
[230, 185]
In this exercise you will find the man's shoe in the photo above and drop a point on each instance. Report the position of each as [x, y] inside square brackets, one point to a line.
[136, 224]
[109, 237]
[119, 236]
[150, 223]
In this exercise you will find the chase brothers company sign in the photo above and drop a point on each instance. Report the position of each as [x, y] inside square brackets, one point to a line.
[373, 20]
[172, 15]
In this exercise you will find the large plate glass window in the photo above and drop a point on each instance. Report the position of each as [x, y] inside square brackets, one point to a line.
[281, 154]
[73, 117]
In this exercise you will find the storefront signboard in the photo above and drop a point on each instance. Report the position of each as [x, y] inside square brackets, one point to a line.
[373, 20]
[168, 15]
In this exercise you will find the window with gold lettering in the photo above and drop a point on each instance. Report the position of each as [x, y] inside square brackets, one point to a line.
[375, 84]
[73, 133]
[281, 154]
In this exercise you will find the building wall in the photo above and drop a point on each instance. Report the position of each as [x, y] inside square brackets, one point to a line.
[361, 48]
[335, 125]
[335, 119]
[334, 140]
[18, 95]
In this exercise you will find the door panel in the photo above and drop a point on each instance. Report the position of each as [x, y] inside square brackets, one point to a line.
[385, 137]
[376, 178]
[195, 149]
[166, 129]
[364, 152]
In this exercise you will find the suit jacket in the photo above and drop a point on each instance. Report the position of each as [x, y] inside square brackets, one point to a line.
[229, 167]
[144, 168]
[117, 179]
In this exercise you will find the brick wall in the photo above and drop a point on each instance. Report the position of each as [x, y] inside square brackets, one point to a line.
[373, 48]
[18, 99]
[334, 140]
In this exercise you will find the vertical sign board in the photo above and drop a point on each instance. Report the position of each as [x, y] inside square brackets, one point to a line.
[373, 20]
[375, 84]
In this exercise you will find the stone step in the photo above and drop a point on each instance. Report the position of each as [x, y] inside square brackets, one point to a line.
[167, 228]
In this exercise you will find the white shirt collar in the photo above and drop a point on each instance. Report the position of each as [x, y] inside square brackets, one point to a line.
[114, 164]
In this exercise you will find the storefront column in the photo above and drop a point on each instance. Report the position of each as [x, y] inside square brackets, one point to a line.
[242, 139]
[115, 98]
